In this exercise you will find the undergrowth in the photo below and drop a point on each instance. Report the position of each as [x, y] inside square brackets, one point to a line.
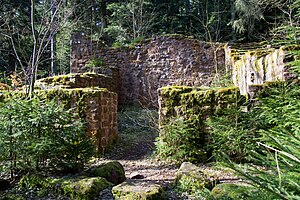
[137, 127]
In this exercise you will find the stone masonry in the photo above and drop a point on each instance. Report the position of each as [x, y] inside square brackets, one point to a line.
[97, 106]
[151, 64]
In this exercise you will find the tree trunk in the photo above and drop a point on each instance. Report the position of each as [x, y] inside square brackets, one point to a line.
[33, 63]
[53, 40]
[232, 2]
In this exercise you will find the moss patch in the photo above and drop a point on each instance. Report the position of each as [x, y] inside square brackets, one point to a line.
[195, 105]
[111, 171]
[191, 178]
[138, 190]
[231, 191]
[77, 188]
[76, 81]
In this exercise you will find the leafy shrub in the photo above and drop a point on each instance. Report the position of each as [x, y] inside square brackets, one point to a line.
[180, 141]
[275, 142]
[280, 141]
[233, 133]
[137, 127]
[37, 135]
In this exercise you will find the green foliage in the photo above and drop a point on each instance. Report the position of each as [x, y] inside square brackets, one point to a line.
[269, 135]
[130, 20]
[222, 80]
[179, 141]
[77, 187]
[136, 125]
[37, 135]
[96, 63]
[135, 41]
[233, 133]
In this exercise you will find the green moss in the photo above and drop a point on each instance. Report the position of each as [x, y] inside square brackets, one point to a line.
[231, 191]
[75, 97]
[195, 106]
[138, 190]
[70, 80]
[77, 188]
[190, 178]
[85, 188]
[111, 171]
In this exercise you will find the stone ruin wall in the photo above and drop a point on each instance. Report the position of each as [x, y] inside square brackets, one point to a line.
[92, 100]
[254, 67]
[138, 72]
[152, 64]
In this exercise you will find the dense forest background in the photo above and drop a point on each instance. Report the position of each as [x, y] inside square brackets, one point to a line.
[261, 145]
[35, 34]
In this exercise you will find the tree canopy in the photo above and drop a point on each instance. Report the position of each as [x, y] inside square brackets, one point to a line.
[31, 31]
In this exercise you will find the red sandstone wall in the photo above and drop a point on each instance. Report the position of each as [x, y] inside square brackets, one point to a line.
[158, 62]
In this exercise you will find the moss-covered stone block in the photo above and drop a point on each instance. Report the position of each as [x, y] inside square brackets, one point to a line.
[195, 105]
[191, 178]
[85, 188]
[138, 190]
[112, 171]
[81, 188]
[97, 106]
[231, 191]
[80, 80]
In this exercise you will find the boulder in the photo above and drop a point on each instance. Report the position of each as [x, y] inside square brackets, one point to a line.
[86, 188]
[231, 191]
[112, 171]
[138, 190]
[192, 178]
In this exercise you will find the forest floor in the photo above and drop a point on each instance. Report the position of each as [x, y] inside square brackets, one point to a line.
[135, 150]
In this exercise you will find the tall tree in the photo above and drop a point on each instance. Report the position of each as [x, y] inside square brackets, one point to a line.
[42, 26]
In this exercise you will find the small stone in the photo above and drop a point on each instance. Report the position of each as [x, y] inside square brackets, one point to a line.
[194, 175]
[136, 175]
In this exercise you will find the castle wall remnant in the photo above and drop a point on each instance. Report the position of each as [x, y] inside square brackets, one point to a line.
[92, 99]
[256, 66]
[139, 70]
[151, 64]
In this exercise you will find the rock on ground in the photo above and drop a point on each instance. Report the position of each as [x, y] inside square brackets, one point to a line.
[195, 177]
[112, 171]
[138, 190]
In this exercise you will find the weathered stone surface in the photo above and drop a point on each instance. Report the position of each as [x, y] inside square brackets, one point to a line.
[255, 66]
[196, 105]
[196, 179]
[231, 191]
[81, 188]
[86, 188]
[154, 63]
[136, 175]
[138, 190]
[85, 80]
[97, 106]
[111, 171]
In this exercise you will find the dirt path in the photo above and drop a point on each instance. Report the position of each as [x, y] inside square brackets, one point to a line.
[137, 160]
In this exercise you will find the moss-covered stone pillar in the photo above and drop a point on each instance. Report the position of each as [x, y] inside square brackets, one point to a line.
[195, 105]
